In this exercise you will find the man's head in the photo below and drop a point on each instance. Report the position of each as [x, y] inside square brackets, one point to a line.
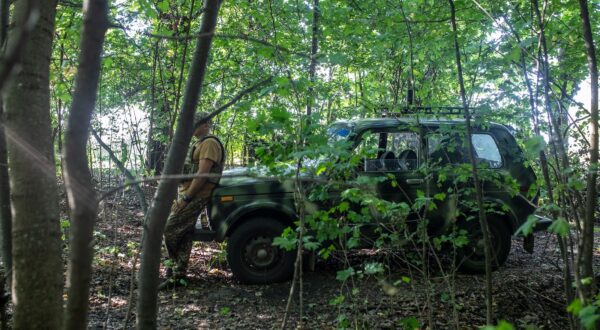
[202, 126]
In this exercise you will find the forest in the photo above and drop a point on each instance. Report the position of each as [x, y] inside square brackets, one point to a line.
[100, 99]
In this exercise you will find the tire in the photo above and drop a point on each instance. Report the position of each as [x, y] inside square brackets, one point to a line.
[252, 257]
[470, 258]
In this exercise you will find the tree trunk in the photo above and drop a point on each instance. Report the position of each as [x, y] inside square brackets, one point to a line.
[83, 202]
[478, 191]
[184, 56]
[5, 215]
[587, 243]
[38, 269]
[313, 57]
[567, 278]
[157, 215]
[5, 223]
[155, 149]
[557, 134]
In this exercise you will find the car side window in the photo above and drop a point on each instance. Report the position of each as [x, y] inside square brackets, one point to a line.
[486, 151]
[390, 151]
[446, 149]
[443, 149]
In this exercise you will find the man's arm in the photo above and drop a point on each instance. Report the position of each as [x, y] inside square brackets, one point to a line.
[204, 166]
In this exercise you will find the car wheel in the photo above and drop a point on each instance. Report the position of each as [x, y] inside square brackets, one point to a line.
[470, 257]
[252, 257]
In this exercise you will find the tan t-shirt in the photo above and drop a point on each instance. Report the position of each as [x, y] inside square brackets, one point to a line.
[207, 149]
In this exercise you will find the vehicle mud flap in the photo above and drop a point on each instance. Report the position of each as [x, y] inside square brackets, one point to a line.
[528, 243]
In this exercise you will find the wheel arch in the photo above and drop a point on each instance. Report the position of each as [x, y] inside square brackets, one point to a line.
[277, 211]
[508, 216]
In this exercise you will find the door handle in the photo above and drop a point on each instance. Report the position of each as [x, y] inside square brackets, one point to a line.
[414, 181]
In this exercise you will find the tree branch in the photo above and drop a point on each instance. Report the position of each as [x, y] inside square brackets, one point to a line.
[124, 170]
[237, 98]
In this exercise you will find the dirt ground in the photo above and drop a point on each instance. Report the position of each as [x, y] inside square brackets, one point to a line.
[527, 290]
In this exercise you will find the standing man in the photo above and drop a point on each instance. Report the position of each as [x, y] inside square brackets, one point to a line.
[207, 158]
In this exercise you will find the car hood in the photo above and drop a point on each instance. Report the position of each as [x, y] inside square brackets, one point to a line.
[253, 181]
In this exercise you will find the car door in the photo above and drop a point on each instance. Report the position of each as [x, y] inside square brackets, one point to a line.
[448, 161]
[393, 157]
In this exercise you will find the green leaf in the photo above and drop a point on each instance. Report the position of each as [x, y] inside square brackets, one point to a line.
[403, 279]
[282, 81]
[65, 223]
[338, 58]
[287, 241]
[224, 311]
[280, 115]
[344, 206]
[265, 52]
[343, 275]
[163, 6]
[534, 145]
[559, 226]
[373, 268]
[462, 239]
[337, 300]
[528, 42]
[527, 227]
[321, 168]
[410, 323]
[589, 316]
[326, 252]
[317, 140]
[353, 242]
[148, 9]
[444, 297]
[515, 54]
[576, 183]
[502, 325]
[343, 322]
[575, 307]
[311, 246]
[439, 196]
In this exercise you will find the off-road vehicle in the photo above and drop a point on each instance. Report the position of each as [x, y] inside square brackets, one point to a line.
[249, 212]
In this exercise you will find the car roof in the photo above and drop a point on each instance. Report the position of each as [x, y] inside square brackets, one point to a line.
[390, 122]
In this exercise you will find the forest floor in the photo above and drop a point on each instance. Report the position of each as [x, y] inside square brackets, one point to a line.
[527, 290]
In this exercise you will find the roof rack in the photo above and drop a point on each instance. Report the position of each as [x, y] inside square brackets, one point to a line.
[431, 110]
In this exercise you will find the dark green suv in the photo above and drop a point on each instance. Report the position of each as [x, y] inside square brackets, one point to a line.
[416, 159]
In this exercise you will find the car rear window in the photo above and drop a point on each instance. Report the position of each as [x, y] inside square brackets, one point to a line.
[443, 149]
[486, 150]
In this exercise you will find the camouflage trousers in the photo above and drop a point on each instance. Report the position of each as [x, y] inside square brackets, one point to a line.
[178, 235]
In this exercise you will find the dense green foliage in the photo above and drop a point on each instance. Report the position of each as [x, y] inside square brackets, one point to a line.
[370, 54]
